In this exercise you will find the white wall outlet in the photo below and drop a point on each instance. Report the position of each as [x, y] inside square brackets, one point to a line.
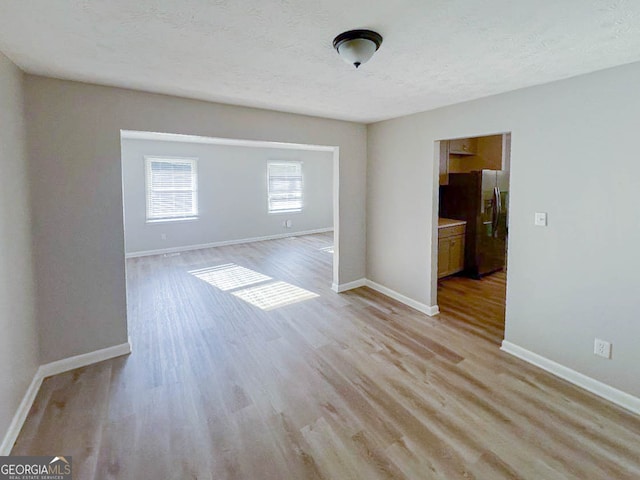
[602, 348]
[287, 224]
[540, 219]
[163, 236]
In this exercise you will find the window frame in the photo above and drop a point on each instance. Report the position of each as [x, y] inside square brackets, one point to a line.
[148, 160]
[299, 163]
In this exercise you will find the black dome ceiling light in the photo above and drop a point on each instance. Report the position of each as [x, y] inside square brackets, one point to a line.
[357, 46]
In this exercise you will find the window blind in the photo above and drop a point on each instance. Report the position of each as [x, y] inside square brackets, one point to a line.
[284, 186]
[172, 188]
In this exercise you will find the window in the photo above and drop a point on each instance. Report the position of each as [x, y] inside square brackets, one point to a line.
[172, 188]
[284, 186]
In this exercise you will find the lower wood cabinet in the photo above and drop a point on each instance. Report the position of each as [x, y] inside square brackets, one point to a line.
[450, 250]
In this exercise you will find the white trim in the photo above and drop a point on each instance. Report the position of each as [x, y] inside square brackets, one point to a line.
[71, 363]
[175, 137]
[603, 390]
[348, 286]
[336, 215]
[160, 251]
[21, 415]
[48, 370]
[430, 310]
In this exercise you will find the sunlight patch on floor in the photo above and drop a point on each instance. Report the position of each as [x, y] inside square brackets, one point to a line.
[273, 295]
[263, 292]
[328, 249]
[229, 276]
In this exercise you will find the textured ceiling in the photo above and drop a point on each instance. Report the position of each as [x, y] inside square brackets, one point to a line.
[277, 54]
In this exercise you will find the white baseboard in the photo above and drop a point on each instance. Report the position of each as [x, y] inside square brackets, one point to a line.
[161, 251]
[343, 287]
[48, 370]
[430, 310]
[21, 415]
[71, 363]
[603, 390]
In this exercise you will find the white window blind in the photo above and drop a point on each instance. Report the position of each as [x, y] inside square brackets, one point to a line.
[172, 188]
[284, 186]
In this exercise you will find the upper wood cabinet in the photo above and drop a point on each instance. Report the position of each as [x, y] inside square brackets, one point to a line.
[463, 146]
[464, 155]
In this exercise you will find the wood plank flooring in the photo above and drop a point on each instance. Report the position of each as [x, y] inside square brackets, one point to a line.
[476, 306]
[246, 366]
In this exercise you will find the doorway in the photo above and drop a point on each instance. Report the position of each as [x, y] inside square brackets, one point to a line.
[237, 216]
[473, 230]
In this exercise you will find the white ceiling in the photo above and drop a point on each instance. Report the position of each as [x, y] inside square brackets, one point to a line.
[278, 54]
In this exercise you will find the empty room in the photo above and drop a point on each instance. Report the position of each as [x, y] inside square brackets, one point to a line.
[319, 240]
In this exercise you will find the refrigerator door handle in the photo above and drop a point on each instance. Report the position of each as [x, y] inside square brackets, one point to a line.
[496, 211]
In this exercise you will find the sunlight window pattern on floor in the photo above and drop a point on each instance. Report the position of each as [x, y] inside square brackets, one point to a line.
[229, 276]
[273, 295]
[263, 292]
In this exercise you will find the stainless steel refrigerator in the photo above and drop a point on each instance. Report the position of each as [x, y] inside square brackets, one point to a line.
[481, 199]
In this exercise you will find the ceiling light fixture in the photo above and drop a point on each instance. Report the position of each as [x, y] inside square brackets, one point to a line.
[357, 46]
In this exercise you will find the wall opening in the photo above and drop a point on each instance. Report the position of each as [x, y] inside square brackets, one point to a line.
[185, 194]
[471, 228]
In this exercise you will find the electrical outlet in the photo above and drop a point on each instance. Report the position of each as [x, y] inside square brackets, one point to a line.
[163, 236]
[602, 348]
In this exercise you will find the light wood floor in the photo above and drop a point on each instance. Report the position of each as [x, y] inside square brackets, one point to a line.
[349, 386]
[475, 306]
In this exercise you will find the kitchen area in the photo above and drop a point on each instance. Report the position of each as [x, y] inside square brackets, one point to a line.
[473, 221]
[473, 205]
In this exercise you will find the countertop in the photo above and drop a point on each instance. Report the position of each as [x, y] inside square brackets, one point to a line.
[449, 222]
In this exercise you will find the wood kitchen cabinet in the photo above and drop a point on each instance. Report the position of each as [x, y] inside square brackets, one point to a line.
[450, 247]
[455, 157]
[464, 155]
[463, 146]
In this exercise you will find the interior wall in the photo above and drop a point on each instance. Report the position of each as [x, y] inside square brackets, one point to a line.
[18, 342]
[232, 194]
[572, 156]
[74, 140]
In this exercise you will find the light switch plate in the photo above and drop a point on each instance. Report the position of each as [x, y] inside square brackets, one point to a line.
[541, 219]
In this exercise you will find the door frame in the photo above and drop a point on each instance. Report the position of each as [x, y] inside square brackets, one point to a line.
[507, 144]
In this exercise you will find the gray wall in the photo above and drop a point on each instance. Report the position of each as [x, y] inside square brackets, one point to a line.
[574, 155]
[18, 341]
[74, 140]
[232, 194]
